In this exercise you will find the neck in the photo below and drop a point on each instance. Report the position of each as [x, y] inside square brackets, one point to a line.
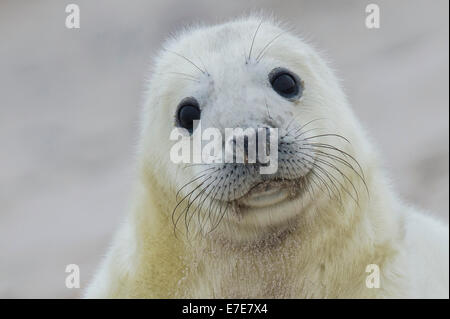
[301, 258]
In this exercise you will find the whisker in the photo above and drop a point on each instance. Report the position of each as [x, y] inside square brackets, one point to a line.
[182, 200]
[253, 40]
[199, 207]
[297, 137]
[328, 146]
[326, 175]
[220, 219]
[203, 64]
[208, 195]
[319, 177]
[307, 123]
[220, 200]
[323, 135]
[191, 181]
[264, 49]
[187, 59]
[214, 202]
[186, 210]
[342, 174]
[344, 162]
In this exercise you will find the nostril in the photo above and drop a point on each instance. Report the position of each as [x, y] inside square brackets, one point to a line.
[263, 147]
[246, 143]
[267, 139]
[251, 145]
[267, 135]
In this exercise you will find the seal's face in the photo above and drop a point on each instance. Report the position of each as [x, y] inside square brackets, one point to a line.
[248, 74]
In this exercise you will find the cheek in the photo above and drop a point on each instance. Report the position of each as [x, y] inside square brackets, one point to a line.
[160, 120]
[156, 142]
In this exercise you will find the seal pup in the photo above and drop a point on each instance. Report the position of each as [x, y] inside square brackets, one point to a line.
[327, 224]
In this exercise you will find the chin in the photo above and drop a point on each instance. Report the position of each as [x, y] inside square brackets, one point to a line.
[272, 204]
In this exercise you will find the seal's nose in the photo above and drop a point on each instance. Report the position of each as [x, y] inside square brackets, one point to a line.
[250, 145]
[259, 141]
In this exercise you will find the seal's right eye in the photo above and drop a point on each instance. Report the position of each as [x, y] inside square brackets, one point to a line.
[286, 83]
[188, 111]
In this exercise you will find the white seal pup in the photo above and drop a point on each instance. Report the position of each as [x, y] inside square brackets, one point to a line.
[325, 225]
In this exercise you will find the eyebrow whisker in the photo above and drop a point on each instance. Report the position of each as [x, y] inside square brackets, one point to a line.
[253, 40]
[188, 60]
[264, 49]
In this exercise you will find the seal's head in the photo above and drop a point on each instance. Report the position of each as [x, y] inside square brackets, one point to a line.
[249, 73]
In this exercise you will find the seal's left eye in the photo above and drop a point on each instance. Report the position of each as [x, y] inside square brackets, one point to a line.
[285, 83]
[188, 111]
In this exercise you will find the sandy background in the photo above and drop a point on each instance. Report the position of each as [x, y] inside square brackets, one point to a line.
[70, 101]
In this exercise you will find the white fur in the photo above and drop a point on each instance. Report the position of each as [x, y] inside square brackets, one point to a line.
[309, 247]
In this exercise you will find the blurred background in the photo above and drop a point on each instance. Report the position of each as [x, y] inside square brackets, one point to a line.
[70, 103]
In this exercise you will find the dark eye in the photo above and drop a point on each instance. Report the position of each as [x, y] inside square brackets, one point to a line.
[188, 111]
[286, 83]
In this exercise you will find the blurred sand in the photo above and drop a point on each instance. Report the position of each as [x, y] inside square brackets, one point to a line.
[70, 101]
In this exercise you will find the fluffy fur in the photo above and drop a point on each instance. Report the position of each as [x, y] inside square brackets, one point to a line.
[316, 245]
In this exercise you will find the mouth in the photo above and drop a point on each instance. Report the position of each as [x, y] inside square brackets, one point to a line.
[269, 193]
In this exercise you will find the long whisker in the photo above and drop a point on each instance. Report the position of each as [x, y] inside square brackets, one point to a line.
[344, 162]
[208, 195]
[220, 200]
[202, 200]
[253, 40]
[341, 173]
[187, 59]
[191, 181]
[317, 176]
[182, 200]
[297, 137]
[186, 210]
[214, 202]
[328, 146]
[327, 176]
[203, 64]
[323, 135]
[220, 219]
[307, 123]
[264, 49]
